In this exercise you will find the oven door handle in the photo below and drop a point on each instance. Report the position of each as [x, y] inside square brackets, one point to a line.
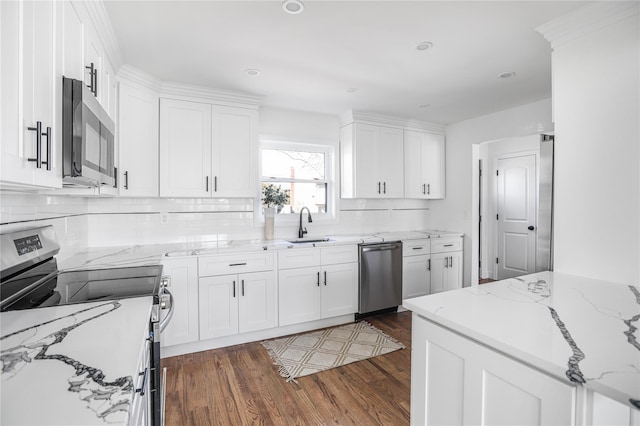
[163, 306]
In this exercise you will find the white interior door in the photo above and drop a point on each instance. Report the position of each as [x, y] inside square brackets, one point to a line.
[516, 216]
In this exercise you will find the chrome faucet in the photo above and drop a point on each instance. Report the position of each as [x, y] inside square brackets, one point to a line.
[302, 231]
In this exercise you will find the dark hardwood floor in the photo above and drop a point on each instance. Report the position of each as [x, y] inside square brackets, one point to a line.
[239, 385]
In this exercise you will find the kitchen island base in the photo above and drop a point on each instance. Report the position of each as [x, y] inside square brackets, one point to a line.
[458, 381]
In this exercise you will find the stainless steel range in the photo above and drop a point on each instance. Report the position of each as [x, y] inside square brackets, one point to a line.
[30, 279]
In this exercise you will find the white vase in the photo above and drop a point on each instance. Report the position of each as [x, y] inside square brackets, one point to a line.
[269, 217]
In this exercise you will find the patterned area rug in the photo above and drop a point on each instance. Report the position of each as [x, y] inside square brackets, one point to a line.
[304, 354]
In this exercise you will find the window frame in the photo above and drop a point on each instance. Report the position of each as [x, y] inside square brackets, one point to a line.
[330, 216]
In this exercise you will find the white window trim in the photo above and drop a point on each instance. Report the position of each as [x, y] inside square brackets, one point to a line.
[331, 177]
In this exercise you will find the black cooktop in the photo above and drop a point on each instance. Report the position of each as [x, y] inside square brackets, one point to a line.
[44, 286]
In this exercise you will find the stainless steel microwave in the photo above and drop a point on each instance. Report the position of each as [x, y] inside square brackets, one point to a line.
[88, 144]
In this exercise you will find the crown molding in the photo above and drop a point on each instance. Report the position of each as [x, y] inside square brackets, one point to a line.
[208, 94]
[131, 75]
[372, 118]
[587, 19]
[101, 22]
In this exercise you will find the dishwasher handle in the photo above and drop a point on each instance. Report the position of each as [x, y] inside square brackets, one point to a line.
[381, 247]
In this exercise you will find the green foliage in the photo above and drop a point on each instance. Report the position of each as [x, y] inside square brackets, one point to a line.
[274, 196]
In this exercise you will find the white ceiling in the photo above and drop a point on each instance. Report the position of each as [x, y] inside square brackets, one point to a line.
[307, 61]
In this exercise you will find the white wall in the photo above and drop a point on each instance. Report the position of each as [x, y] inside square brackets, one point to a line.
[597, 110]
[454, 212]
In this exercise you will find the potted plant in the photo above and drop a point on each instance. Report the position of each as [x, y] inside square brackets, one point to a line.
[273, 199]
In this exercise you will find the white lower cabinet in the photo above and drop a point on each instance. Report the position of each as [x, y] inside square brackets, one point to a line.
[456, 381]
[416, 268]
[446, 264]
[240, 303]
[321, 287]
[183, 327]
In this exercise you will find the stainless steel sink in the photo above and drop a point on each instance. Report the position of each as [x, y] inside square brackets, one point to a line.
[310, 240]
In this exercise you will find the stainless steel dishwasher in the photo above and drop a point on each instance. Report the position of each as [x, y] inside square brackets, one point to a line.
[380, 278]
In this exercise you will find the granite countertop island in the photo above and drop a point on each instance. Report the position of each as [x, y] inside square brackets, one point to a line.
[72, 364]
[579, 330]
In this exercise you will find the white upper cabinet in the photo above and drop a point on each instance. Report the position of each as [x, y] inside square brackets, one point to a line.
[424, 161]
[207, 150]
[138, 141]
[185, 149]
[371, 159]
[27, 92]
[235, 159]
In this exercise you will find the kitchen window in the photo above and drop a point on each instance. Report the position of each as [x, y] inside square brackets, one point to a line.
[302, 172]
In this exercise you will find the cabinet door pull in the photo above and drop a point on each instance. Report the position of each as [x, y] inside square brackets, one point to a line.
[38, 130]
[384, 188]
[448, 245]
[126, 180]
[418, 248]
[446, 262]
[428, 264]
[145, 374]
[206, 183]
[424, 188]
[93, 75]
[429, 188]
[451, 261]
[242, 288]
[234, 288]
[318, 282]
[47, 135]
[238, 264]
[378, 187]
[325, 278]
[215, 184]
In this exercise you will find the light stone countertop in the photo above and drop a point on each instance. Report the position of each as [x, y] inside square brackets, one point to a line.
[72, 364]
[577, 329]
[153, 254]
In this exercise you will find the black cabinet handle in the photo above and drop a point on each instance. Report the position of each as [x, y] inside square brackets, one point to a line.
[384, 186]
[424, 188]
[428, 264]
[242, 288]
[318, 282]
[378, 187]
[238, 264]
[531, 228]
[145, 374]
[215, 184]
[428, 188]
[47, 135]
[115, 177]
[234, 289]
[207, 184]
[325, 278]
[93, 74]
[38, 130]
[126, 180]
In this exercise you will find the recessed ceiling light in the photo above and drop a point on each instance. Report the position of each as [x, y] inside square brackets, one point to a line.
[352, 90]
[424, 45]
[293, 7]
[507, 74]
[424, 105]
[252, 72]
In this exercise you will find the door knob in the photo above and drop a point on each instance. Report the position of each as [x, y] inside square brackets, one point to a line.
[531, 228]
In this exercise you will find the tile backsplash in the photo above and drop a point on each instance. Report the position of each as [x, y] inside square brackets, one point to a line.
[100, 222]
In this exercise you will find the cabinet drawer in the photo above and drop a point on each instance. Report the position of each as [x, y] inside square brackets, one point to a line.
[339, 254]
[224, 264]
[416, 247]
[444, 245]
[298, 258]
